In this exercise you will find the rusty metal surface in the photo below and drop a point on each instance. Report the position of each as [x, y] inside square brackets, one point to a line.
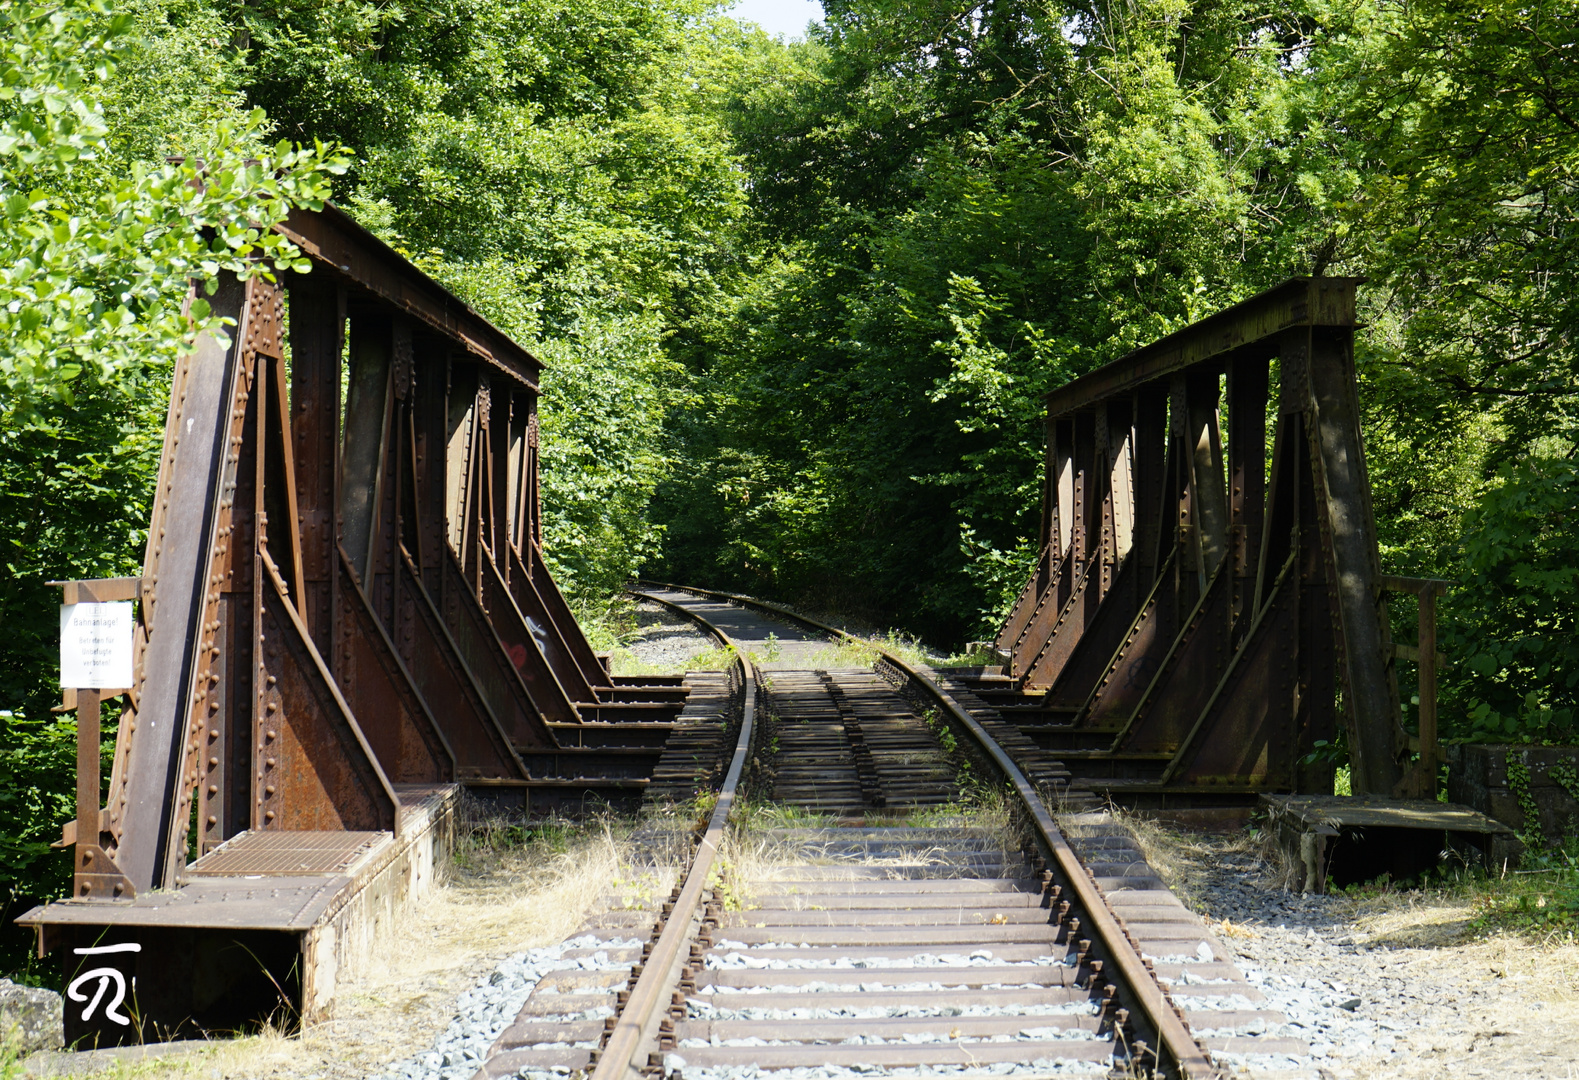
[1296, 302]
[440, 676]
[637, 1024]
[343, 591]
[302, 852]
[573, 642]
[317, 332]
[1189, 604]
[527, 652]
[477, 644]
[333, 591]
[177, 566]
[406, 739]
[312, 765]
[350, 253]
[260, 903]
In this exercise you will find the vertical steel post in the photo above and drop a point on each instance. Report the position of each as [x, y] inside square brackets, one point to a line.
[1062, 532]
[1348, 536]
[366, 438]
[429, 476]
[1151, 447]
[1208, 499]
[1428, 747]
[317, 323]
[87, 780]
[1247, 401]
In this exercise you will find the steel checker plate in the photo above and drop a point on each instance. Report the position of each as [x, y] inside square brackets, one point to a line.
[259, 903]
[287, 853]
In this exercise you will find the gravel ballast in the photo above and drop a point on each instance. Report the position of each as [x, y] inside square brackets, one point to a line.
[667, 640]
[1374, 1003]
[485, 1010]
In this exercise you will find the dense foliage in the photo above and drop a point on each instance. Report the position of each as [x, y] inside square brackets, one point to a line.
[957, 206]
[561, 165]
[800, 301]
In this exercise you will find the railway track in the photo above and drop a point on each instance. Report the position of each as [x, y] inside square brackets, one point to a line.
[881, 931]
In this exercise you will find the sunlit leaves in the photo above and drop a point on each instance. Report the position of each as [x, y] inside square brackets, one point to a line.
[562, 167]
[93, 277]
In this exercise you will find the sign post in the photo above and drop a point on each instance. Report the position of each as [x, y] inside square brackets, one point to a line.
[95, 663]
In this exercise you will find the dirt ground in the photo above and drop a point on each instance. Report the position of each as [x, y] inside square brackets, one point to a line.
[1439, 998]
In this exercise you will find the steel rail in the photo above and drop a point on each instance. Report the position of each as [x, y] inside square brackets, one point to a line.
[1178, 1048]
[636, 1027]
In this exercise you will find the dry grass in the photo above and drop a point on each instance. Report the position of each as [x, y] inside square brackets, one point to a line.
[622, 661]
[1179, 858]
[1550, 975]
[752, 852]
[1441, 916]
[511, 888]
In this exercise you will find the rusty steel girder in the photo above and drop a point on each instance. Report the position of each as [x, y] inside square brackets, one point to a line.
[1189, 609]
[345, 592]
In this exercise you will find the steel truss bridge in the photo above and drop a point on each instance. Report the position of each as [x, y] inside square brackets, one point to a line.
[345, 620]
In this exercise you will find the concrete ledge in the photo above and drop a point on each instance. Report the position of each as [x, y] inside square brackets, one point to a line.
[1340, 839]
[229, 952]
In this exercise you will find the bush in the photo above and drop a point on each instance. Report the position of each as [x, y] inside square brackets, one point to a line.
[1511, 624]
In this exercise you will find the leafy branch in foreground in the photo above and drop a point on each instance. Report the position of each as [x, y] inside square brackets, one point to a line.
[94, 263]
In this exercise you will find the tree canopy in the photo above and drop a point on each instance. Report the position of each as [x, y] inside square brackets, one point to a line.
[800, 300]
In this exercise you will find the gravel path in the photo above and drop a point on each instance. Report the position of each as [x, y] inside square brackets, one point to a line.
[1391, 988]
[667, 640]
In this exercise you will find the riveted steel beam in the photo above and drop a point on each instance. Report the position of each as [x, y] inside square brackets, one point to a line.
[1205, 614]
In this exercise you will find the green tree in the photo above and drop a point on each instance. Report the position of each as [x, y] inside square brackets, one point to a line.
[562, 167]
[93, 261]
[1513, 630]
[101, 240]
[1462, 216]
[958, 207]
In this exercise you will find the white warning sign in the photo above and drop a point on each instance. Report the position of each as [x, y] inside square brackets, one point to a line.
[96, 646]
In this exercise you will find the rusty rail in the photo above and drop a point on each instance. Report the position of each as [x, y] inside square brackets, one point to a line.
[636, 1027]
[1178, 1051]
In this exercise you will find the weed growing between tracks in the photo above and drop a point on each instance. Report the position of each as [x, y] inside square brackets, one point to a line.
[866, 650]
[625, 662]
[657, 641]
[756, 848]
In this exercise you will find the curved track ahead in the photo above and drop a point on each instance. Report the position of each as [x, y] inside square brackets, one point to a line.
[870, 943]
